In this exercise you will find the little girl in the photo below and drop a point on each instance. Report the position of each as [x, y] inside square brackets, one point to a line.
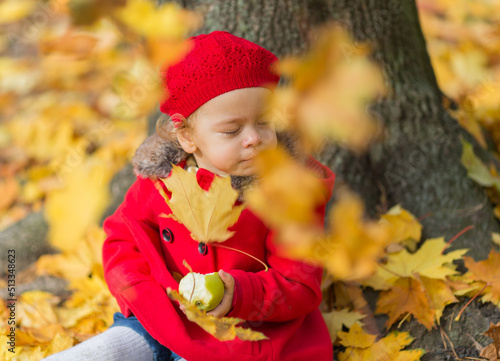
[215, 125]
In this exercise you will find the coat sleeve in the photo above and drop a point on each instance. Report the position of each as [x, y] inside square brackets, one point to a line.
[125, 265]
[288, 290]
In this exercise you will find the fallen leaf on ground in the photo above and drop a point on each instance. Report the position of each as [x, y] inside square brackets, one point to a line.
[491, 352]
[486, 274]
[335, 320]
[362, 347]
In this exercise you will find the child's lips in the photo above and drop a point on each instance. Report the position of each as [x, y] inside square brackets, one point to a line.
[250, 157]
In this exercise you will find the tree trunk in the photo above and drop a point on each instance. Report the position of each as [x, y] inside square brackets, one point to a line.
[418, 163]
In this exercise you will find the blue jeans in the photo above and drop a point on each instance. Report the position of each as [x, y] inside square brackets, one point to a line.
[161, 353]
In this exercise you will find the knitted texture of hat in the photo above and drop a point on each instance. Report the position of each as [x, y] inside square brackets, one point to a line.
[217, 63]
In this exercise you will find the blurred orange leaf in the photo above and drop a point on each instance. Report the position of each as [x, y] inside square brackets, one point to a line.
[331, 88]
[9, 189]
[286, 192]
[351, 247]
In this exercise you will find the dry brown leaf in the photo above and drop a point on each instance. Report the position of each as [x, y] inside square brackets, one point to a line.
[491, 352]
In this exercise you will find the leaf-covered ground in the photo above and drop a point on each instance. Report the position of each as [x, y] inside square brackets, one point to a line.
[73, 108]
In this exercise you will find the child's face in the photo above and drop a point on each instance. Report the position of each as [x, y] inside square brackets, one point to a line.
[229, 131]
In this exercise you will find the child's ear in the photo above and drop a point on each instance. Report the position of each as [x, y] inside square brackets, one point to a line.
[186, 141]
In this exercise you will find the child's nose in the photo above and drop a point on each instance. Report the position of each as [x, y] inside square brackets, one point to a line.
[252, 138]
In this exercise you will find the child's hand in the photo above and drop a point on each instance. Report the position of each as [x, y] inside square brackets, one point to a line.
[227, 300]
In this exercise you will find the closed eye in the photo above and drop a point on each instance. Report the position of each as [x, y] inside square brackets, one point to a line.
[233, 132]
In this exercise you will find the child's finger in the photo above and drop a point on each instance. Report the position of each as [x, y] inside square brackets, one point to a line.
[226, 278]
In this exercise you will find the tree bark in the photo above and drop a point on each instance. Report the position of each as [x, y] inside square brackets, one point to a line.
[418, 161]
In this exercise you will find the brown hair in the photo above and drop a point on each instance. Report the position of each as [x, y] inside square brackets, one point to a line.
[166, 129]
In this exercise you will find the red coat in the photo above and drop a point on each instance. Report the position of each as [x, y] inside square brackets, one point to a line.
[143, 250]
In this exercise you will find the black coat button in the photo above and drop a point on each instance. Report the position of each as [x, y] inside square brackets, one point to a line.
[167, 235]
[202, 248]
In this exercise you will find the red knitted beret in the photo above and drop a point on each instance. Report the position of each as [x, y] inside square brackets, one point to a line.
[217, 63]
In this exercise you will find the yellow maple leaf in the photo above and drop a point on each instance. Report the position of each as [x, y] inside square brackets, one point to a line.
[362, 347]
[286, 191]
[428, 261]
[389, 348]
[206, 214]
[425, 299]
[335, 320]
[404, 226]
[416, 283]
[356, 337]
[223, 328]
[439, 294]
[407, 296]
[486, 273]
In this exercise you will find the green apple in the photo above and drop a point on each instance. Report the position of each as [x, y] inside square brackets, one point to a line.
[204, 290]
